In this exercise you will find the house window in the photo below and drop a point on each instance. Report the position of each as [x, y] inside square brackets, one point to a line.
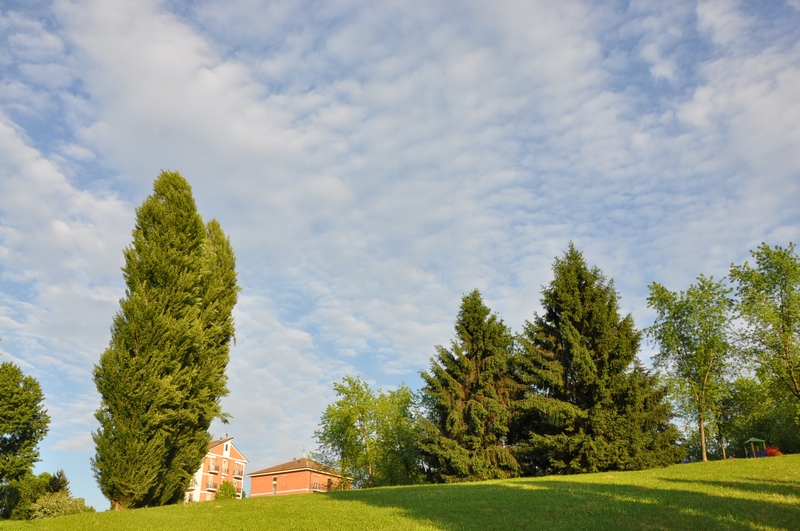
[226, 447]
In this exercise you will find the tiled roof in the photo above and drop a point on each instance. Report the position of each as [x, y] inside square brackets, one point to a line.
[214, 444]
[296, 464]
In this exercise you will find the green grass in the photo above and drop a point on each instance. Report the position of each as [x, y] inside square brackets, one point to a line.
[743, 494]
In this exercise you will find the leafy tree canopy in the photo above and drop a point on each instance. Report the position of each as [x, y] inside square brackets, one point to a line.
[23, 422]
[691, 330]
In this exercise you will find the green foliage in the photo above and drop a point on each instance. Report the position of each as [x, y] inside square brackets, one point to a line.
[769, 302]
[163, 375]
[54, 504]
[18, 496]
[398, 460]
[23, 422]
[347, 432]
[583, 409]
[227, 491]
[58, 483]
[757, 408]
[469, 397]
[371, 438]
[691, 329]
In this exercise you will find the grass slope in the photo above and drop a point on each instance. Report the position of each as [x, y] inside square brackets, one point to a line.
[743, 494]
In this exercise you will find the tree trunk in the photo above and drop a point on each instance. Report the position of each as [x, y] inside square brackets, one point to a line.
[703, 438]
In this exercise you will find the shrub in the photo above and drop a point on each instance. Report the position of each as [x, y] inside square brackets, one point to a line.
[226, 491]
[56, 504]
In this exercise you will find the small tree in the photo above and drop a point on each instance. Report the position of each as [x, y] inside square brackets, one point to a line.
[691, 329]
[347, 433]
[398, 459]
[59, 483]
[23, 422]
[227, 491]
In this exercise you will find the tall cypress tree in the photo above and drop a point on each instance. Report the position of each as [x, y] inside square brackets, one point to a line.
[469, 396]
[583, 408]
[163, 375]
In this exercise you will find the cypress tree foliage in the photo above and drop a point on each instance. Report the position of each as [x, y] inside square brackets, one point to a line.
[583, 409]
[163, 375]
[469, 397]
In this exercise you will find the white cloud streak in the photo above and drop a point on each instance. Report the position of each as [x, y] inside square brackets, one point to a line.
[374, 162]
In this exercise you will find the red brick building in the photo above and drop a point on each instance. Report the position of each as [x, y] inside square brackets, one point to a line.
[223, 462]
[298, 476]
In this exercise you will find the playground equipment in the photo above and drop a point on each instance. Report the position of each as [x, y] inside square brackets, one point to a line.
[764, 451]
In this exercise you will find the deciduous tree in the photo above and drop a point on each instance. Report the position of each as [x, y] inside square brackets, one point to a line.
[769, 302]
[691, 330]
[23, 422]
[347, 433]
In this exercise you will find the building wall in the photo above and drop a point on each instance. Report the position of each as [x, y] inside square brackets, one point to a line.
[296, 482]
[222, 463]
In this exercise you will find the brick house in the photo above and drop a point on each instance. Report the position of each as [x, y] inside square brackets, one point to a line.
[298, 476]
[223, 462]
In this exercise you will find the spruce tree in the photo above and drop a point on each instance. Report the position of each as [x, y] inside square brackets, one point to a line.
[163, 375]
[587, 406]
[469, 397]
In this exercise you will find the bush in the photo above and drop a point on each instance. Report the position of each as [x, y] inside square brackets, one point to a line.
[17, 496]
[56, 504]
[226, 491]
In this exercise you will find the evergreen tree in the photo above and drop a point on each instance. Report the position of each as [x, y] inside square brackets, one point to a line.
[163, 375]
[583, 409]
[469, 397]
[23, 422]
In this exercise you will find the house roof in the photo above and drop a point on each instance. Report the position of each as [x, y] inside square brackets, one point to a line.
[214, 444]
[295, 465]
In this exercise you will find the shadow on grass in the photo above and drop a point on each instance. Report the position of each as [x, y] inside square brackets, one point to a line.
[552, 504]
[765, 487]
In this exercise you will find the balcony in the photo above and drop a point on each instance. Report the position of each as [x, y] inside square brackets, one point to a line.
[192, 484]
[211, 486]
[213, 468]
[320, 487]
[224, 471]
[238, 473]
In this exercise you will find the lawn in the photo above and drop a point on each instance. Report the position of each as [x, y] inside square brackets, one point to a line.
[742, 494]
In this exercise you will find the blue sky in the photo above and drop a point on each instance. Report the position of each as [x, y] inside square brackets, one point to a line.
[372, 162]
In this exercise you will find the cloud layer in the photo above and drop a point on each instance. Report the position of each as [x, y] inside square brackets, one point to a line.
[372, 163]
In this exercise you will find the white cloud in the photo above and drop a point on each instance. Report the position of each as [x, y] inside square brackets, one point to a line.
[722, 20]
[374, 162]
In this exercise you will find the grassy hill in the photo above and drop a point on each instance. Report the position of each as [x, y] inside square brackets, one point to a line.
[743, 494]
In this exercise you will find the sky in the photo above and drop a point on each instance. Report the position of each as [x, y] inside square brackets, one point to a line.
[372, 162]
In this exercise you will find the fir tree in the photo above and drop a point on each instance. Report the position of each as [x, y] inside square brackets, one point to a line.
[163, 375]
[468, 394]
[583, 409]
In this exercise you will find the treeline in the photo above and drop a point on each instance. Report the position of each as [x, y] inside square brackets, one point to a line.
[568, 393]
[23, 424]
